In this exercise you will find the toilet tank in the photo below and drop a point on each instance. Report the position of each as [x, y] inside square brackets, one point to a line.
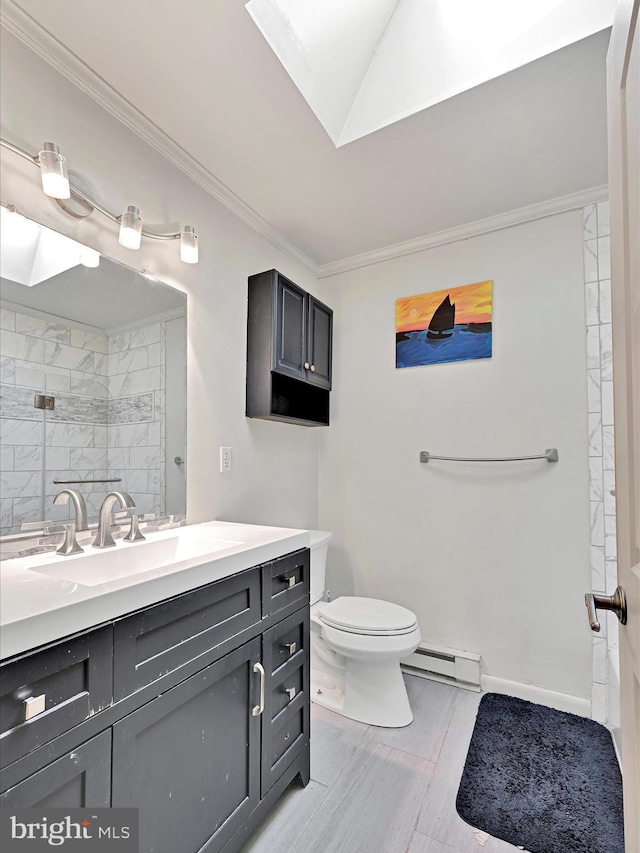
[319, 545]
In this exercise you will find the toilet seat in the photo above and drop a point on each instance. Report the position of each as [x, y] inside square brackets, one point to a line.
[367, 616]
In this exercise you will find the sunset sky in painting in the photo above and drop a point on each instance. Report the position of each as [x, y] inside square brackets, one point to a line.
[473, 305]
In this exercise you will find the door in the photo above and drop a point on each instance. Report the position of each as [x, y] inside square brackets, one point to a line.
[320, 333]
[190, 759]
[175, 416]
[623, 94]
[290, 333]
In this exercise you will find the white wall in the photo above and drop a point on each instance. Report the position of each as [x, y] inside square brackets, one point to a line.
[493, 559]
[274, 479]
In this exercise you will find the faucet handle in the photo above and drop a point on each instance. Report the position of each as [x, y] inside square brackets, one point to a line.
[70, 544]
[40, 526]
[134, 534]
[121, 515]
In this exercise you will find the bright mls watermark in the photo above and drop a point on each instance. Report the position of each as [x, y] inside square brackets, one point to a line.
[101, 830]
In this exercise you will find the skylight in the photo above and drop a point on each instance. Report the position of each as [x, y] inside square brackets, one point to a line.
[364, 64]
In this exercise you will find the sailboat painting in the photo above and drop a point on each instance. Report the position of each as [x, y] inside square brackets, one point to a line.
[446, 325]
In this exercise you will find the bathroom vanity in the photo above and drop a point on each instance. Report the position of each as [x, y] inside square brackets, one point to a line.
[181, 689]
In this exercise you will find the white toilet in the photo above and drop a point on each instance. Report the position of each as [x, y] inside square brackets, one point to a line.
[356, 648]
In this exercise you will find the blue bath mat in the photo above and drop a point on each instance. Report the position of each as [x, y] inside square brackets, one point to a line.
[543, 780]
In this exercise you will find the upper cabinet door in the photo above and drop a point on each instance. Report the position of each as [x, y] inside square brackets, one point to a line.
[320, 319]
[290, 337]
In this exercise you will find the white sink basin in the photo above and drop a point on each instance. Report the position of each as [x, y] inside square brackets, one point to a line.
[95, 567]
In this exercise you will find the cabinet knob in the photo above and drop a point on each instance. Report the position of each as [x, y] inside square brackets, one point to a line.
[307, 365]
[33, 706]
[313, 368]
[291, 692]
[293, 647]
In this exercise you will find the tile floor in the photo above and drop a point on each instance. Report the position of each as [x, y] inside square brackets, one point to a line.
[376, 790]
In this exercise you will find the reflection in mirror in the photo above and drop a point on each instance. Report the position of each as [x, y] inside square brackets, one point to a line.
[104, 348]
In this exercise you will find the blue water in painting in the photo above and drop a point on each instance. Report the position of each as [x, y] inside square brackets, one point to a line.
[463, 344]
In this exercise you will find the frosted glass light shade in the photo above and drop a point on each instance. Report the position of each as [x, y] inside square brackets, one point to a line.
[189, 245]
[130, 228]
[89, 257]
[53, 171]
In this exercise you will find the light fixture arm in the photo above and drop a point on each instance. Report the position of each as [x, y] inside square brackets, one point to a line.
[86, 198]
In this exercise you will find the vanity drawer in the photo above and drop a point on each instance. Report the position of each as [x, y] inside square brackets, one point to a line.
[285, 582]
[69, 681]
[153, 642]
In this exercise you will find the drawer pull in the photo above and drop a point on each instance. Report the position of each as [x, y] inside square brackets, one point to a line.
[291, 692]
[293, 648]
[290, 580]
[259, 708]
[33, 706]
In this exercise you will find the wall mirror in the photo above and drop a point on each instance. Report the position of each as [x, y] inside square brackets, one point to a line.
[93, 380]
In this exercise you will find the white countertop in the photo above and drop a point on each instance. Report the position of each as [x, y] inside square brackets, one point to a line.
[37, 608]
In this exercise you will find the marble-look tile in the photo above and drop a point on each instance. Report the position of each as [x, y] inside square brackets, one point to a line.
[21, 432]
[285, 823]
[589, 222]
[30, 375]
[133, 359]
[155, 354]
[611, 571]
[593, 347]
[57, 380]
[87, 458]
[87, 339]
[610, 548]
[16, 402]
[599, 660]
[599, 703]
[136, 480]
[136, 382]
[596, 491]
[118, 457]
[604, 258]
[609, 485]
[6, 512]
[153, 436]
[7, 369]
[28, 458]
[58, 458]
[20, 484]
[73, 358]
[594, 392]
[144, 502]
[100, 364]
[136, 409]
[118, 343]
[154, 481]
[591, 260]
[112, 363]
[27, 509]
[7, 319]
[606, 352]
[6, 461]
[128, 435]
[69, 435]
[596, 560]
[100, 436]
[89, 384]
[432, 704]
[597, 522]
[592, 300]
[603, 218]
[595, 434]
[144, 336]
[423, 844]
[607, 404]
[27, 324]
[23, 347]
[372, 806]
[145, 457]
[72, 409]
[608, 448]
[605, 300]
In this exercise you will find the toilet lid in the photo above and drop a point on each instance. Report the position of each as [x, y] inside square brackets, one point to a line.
[367, 616]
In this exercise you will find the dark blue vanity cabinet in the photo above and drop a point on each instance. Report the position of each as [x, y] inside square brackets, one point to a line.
[289, 352]
[194, 710]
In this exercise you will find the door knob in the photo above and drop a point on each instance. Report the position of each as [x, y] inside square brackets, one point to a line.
[178, 460]
[616, 602]
[307, 365]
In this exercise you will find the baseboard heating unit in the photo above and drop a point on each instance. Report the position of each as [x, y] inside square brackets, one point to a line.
[448, 665]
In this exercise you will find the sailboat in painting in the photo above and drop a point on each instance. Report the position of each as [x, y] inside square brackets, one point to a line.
[443, 320]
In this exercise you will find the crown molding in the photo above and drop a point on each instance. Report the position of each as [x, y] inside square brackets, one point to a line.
[47, 47]
[531, 212]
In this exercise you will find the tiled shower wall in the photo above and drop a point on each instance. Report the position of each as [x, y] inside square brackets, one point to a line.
[108, 419]
[601, 447]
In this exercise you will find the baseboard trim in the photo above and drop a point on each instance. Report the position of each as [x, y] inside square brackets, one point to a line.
[550, 698]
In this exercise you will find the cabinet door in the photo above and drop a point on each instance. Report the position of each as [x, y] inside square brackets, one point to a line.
[290, 332]
[320, 334]
[190, 759]
[81, 779]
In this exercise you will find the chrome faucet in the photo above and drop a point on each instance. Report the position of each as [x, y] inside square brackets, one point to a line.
[104, 539]
[63, 497]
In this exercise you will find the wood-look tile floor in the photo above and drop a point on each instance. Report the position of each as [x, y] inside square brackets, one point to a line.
[376, 790]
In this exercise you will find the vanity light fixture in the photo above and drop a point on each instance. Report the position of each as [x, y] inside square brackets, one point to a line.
[55, 183]
[189, 245]
[130, 228]
[53, 171]
[89, 257]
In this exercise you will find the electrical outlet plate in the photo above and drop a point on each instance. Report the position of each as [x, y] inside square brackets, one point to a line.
[225, 459]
